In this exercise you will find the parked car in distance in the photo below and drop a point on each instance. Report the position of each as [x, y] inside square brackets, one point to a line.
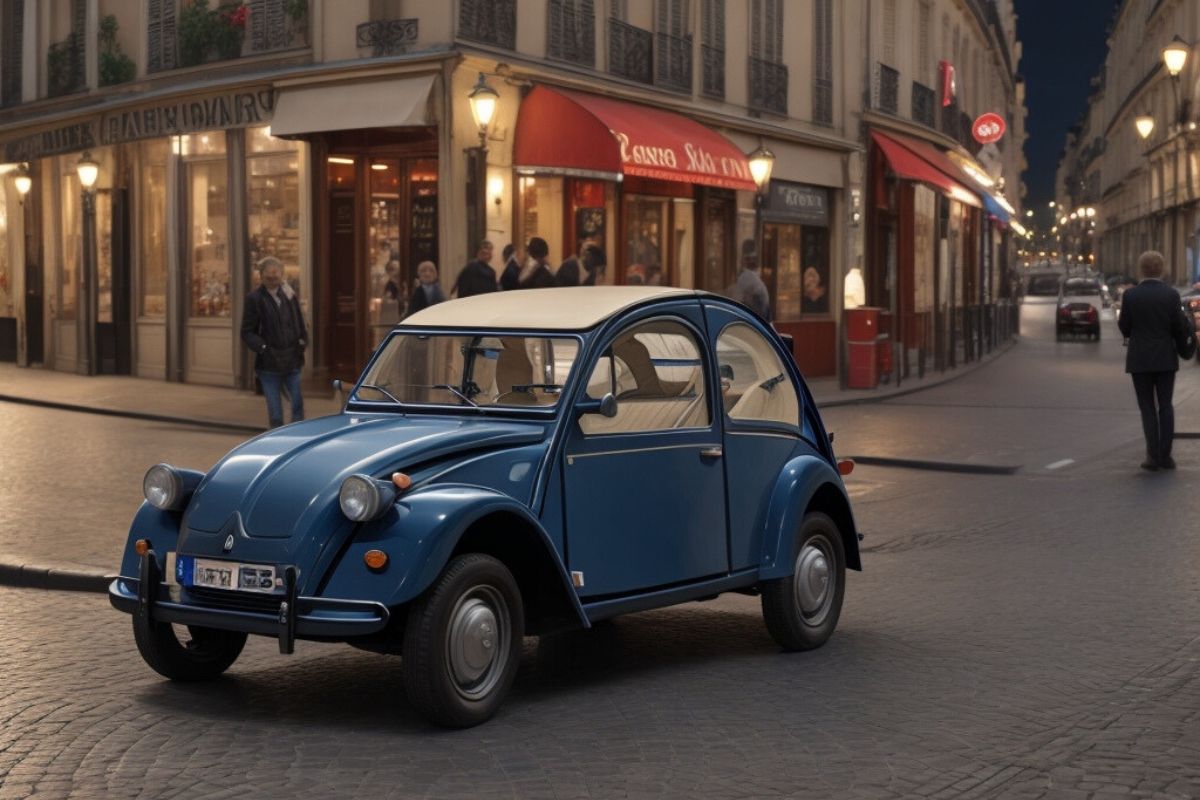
[1079, 303]
[509, 464]
[1043, 285]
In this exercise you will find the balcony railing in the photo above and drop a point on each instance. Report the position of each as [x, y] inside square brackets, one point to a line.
[489, 21]
[630, 52]
[823, 101]
[712, 82]
[924, 104]
[572, 33]
[673, 62]
[387, 37]
[887, 89]
[769, 86]
[203, 32]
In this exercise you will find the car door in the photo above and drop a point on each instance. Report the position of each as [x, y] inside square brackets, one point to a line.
[762, 426]
[645, 489]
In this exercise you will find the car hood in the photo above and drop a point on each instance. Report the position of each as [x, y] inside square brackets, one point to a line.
[275, 481]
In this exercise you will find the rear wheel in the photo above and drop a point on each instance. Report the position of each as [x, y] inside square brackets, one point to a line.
[188, 653]
[462, 644]
[802, 610]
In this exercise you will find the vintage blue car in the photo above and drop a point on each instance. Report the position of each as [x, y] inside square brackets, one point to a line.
[509, 464]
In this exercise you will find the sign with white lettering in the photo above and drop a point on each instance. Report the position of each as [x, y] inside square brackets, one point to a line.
[989, 128]
[670, 161]
[798, 202]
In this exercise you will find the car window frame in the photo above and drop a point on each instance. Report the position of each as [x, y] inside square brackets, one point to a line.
[733, 424]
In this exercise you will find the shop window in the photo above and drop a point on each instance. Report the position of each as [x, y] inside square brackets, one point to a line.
[541, 213]
[6, 278]
[754, 382]
[152, 260]
[657, 375]
[273, 205]
[719, 270]
[71, 243]
[387, 281]
[207, 187]
[796, 269]
[646, 224]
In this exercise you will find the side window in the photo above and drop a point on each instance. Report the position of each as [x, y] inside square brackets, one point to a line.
[755, 386]
[656, 372]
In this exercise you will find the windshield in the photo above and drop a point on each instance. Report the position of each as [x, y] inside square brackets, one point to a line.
[1043, 285]
[470, 370]
[1079, 286]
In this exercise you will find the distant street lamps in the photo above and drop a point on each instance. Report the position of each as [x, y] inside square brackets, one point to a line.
[762, 164]
[88, 171]
[1175, 57]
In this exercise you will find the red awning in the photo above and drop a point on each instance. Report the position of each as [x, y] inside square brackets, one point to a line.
[575, 133]
[917, 161]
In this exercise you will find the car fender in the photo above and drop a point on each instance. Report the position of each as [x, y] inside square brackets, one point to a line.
[160, 527]
[420, 534]
[801, 481]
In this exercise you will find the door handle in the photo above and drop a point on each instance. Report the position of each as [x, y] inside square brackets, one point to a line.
[711, 453]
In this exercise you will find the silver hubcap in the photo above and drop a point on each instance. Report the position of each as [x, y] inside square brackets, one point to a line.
[814, 580]
[478, 641]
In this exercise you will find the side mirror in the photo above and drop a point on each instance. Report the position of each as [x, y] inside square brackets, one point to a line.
[606, 406]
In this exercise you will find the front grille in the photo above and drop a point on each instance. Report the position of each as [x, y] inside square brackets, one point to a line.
[235, 601]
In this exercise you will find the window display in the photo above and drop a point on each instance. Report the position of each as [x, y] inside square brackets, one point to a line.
[541, 214]
[388, 279]
[208, 239]
[71, 245]
[6, 280]
[273, 214]
[152, 259]
[645, 243]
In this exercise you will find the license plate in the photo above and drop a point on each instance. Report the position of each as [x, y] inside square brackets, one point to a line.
[229, 575]
[1078, 314]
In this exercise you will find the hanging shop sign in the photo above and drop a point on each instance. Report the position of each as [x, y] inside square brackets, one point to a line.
[989, 128]
[949, 83]
[798, 202]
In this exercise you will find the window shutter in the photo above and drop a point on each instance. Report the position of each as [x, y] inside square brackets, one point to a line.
[775, 30]
[160, 31]
[756, 25]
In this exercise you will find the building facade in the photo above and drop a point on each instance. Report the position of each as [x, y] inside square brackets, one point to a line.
[1143, 184]
[339, 137]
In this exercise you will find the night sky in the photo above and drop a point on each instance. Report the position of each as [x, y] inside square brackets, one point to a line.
[1064, 48]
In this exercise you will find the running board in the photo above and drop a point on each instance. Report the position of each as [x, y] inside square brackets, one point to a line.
[605, 609]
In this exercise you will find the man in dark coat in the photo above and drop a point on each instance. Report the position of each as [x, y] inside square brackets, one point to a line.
[537, 274]
[273, 327]
[1152, 320]
[511, 276]
[477, 277]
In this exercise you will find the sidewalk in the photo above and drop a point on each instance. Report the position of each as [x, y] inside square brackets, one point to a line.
[242, 412]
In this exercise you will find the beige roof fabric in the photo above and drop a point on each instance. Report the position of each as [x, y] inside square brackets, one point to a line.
[573, 308]
[394, 103]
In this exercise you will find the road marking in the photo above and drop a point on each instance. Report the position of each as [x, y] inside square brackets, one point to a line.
[1066, 462]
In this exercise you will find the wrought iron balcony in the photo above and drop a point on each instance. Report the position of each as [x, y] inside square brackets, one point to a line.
[924, 103]
[387, 37]
[712, 82]
[887, 89]
[488, 21]
[572, 32]
[769, 86]
[673, 62]
[630, 52]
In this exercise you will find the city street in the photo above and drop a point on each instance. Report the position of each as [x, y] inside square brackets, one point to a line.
[1034, 634]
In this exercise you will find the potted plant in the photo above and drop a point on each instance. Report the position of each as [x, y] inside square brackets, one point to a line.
[207, 34]
[115, 66]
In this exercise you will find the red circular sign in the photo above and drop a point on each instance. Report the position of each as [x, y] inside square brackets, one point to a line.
[988, 128]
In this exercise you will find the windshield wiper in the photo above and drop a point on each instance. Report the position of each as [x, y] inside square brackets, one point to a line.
[379, 389]
[458, 393]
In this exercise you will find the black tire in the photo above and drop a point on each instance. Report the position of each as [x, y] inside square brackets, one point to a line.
[806, 622]
[206, 654]
[475, 591]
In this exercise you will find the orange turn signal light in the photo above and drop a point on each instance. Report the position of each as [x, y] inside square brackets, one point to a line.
[401, 480]
[141, 546]
[845, 467]
[375, 559]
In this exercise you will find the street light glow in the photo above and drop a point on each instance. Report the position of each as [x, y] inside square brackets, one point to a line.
[1175, 56]
[1145, 125]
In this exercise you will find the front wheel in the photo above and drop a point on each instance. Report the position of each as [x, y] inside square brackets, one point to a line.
[802, 610]
[200, 655]
[462, 644]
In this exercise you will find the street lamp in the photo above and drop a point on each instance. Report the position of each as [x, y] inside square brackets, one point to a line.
[762, 163]
[1145, 126]
[88, 171]
[23, 181]
[1175, 56]
[483, 100]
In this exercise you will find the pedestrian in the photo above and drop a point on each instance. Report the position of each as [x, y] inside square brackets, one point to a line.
[536, 273]
[1152, 321]
[427, 291]
[595, 263]
[273, 327]
[750, 290]
[477, 277]
[511, 275]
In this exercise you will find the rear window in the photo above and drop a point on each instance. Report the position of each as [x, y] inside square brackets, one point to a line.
[1081, 286]
[1043, 285]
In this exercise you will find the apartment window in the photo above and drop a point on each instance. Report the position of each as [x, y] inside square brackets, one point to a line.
[823, 57]
[712, 49]
[162, 52]
[572, 31]
[673, 50]
[488, 21]
[889, 32]
[924, 44]
[766, 29]
[12, 24]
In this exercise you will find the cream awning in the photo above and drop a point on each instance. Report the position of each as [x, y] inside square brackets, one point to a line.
[395, 103]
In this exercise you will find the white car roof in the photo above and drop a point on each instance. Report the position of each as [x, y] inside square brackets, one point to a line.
[568, 308]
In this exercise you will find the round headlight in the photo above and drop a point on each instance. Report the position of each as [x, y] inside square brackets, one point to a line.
[162, 486]
[359, 498]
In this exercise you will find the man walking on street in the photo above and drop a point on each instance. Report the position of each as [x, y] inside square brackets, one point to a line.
[750, 289]
[477, 277]
[1152, 320]
[273, 327]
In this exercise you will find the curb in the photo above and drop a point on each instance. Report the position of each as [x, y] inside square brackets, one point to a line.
[37, 576]
[142, 415]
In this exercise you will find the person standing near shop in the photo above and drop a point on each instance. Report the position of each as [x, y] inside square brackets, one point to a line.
[1152, 320]
[428, 291]
[273, 327]
[477, 277]
[536, 274]
[511, 275]
[750, 290]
